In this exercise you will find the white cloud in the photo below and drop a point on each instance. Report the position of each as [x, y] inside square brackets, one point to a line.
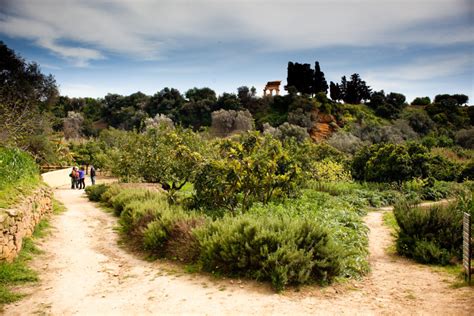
[424, 75]
[147, 29]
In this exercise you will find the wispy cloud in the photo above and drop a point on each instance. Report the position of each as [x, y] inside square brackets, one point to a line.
[425, 75]
[147, 29]
[427, 67]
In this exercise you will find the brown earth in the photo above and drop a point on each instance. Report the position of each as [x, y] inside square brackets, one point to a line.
[85, 271]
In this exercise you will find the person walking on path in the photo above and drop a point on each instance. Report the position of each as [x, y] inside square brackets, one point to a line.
[73, 176]
[82, 176]
[92, 175]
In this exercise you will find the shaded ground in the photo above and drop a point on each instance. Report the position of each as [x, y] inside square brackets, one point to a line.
[84, 271]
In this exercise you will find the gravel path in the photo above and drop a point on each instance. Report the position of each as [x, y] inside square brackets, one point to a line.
[84, 271]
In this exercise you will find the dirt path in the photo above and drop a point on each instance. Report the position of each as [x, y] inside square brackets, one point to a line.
[84, 271]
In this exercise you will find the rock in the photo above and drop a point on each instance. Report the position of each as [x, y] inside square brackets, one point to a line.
[3, 218]
[12, 212]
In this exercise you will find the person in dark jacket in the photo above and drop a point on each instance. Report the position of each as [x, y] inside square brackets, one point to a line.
[92, 174]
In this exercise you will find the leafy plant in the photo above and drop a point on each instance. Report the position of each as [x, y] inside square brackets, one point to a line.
[253, 169]
[432, 235]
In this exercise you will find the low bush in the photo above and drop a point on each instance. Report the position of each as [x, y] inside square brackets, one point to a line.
[94, 192]
[431, 235]
[111, 191]
[343, 218]
[281, 249]
[119, 201]
[161, 229]
[442, 190]
[468, 172]
[314, 238]
[391, 163]
[360, 194]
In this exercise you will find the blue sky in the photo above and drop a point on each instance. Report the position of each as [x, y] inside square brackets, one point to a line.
[95, 47]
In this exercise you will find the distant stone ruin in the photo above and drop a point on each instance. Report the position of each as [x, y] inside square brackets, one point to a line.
[272, 86]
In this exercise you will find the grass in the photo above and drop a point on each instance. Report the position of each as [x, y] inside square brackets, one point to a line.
[12, 194]
[457, 272]
[58, 207]
[390, 222]
[18, 272]
[19, 175]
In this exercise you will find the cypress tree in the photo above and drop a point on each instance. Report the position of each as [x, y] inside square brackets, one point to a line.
[319, 82]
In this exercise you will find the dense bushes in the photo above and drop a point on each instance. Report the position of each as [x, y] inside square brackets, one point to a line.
[94, 192]
[279, 248]
[391, 163]
[432, 235]
[311, 239]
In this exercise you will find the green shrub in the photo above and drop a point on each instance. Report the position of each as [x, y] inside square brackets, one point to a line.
[169, 234]
[442, 190]
[162, 229]
[94, 192]
[125, 196]
[431, 235]
[138, 213]
[390, 163]
[253, 169]
[278, 248]
[111, 192]
[444, 169]
[468, 171]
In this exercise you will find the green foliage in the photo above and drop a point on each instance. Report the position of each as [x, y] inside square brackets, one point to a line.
[388, 106]
[328, 170]
[468, 172]
[26, 95]
[444, 169]
[442, 190]
[419, 120]
[119, 201]
[390, 162]
[421, 101]
[280, 248]
[314, 238]
[16, 166]
[343, 218]
[360, 194]
[465, 138]
[286, 132]
[19, 175]
[432, 235]
[253, 169]
[94, 192]
[166, 156]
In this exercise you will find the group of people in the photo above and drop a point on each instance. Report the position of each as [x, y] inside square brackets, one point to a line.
[78, 177]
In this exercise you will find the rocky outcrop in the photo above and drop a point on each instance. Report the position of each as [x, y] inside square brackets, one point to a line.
[323, 127]
[20, 220]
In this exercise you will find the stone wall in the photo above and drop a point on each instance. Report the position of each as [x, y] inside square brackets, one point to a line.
[19, 221]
